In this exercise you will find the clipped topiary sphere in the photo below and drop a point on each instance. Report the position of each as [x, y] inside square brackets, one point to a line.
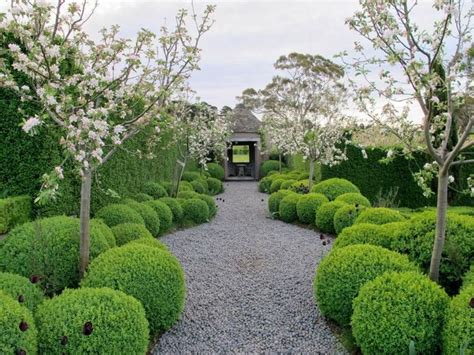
[364, 233]
[185, 186]
[116, 214]
[275, 186]
[168, 187]
[468, 278]
[98, 226]
[127, 232]
[335, 187]
[215, 186]
[287, 210]
[47, 251]
[264, 184]
[155, 190]
[308, 205]
[325, 216]
[149, 215]
[21, 289]
[270, 165]
[175, 208]
[190, 176]
[216, 171]
[300, 186]
[275, 199]
[211, 204]
[286, 185]
[187, 194]
[346, 216]
[344, 270]
[198, 186]
[379, 215]
[152, 243]
[142, 197]
[458, 330]
[151, 275]
[89, 320]
[164, 214]
[353, 198]
[195, 210]
[18, 331]
[396, 308]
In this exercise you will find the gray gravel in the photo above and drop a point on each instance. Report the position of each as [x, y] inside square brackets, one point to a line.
[249, 283]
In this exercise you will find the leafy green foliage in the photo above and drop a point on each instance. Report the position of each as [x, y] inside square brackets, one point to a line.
[286, 185]
[354, 198]
[14, 211]
[366, 233]
[264, 184]
[300, 186]
[468, 278]
[98, 226]
[276, 184]
[155, 190]
[308, 205]
[185, 186]
[149, 215]
[88, 320]
[116, 214]
[287, 210]
[344, 270]
[21, 289]
[216, 171]
[346, 216]
[191, 176]
[270, 165]
[48, 250]
[164, 214]
[142, 197]
[335, 187]
[215, 186]
[397, 308]
[13, 340]
[211, 204]
[459, 328]
[325, 216]
[151, 275]
[126, 232]
[198, 186]
[274, 201]
[195, 210]
[175, 208]
[379, 215]
[152, 243]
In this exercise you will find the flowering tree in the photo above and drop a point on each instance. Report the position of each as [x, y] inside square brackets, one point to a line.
[97, 93]
[303, 108]
[431, 68]
[198, 129]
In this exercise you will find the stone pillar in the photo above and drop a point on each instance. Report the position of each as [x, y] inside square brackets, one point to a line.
[257, 160]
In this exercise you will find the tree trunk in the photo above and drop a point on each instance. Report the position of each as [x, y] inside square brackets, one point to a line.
[441, 210]
[84, 220]
[178, 174]
[311, 174]
[279, 161]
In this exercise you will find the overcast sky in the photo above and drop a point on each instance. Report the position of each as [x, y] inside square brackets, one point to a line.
[246, 39]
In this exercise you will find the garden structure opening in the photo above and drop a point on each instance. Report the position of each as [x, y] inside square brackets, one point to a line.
[243, 155]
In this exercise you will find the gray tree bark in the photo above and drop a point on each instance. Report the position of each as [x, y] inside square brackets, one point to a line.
[85, 221]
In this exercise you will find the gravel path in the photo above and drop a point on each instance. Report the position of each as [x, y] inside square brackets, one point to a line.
[249, 282]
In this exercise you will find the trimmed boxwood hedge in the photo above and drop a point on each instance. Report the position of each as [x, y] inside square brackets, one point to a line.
[21, 289]
[354, 198]
[88, 320]
[164, 214]
[152, 243]
[365, 233]
[155, 190]
[191, 176]
[175, 208]
[270, 165]
[458, 330]
[286, 185]
[396, 308]
[142, 197]
[216, 171]
[126, 232]
[308, 205]
[264, 184]
[215, 186]
[198, 186]
[149, 215]
[379, 215]
[18, 331]
[195, 210]
[287, 209]
[335, 187]
[325, 216]
[274, 201]
[276, 184]
[14, 211]
[47, 250]
[98, 226]
[185, 186]
[151, 275]
[344, 270]
[468, 278]
[346, 216]
[116, 214]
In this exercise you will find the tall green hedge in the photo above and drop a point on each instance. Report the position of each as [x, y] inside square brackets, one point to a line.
[24, 159]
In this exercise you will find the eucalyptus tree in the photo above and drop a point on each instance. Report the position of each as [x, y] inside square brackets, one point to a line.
[114, 86]
[429, 67]
[303, 108]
